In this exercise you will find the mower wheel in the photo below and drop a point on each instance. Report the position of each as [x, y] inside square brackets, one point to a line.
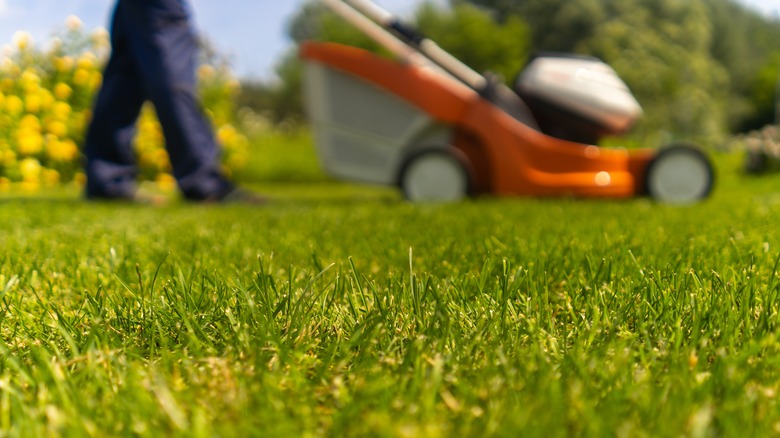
[679, 174]
[435, 175]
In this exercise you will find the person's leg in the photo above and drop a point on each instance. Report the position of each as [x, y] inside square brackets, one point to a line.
[165, 45]
[110, 168]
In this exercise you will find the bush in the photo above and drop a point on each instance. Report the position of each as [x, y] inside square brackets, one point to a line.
[45, 106]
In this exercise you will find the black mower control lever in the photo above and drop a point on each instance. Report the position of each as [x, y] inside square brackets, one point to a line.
[407, 32]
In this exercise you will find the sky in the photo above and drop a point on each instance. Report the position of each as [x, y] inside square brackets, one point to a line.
[252, 33]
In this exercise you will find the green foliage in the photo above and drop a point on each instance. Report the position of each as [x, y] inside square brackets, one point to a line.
[738, 43]
[693, 64]
[476, 39]
[282, 100]
[764, 92]
[663, 54]
[282, 156]
[316, 22]
[699, 68]
[556, 25]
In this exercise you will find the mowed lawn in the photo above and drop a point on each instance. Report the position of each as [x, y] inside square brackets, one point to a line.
[340, 310]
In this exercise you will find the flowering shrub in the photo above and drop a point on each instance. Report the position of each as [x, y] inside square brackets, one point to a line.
[45, 106]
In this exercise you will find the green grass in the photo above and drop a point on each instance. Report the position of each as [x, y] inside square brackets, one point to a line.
[340, 310]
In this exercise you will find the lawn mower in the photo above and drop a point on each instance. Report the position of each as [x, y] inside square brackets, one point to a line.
[430, 125]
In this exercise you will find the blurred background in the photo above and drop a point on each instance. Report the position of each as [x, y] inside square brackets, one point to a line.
[703, 70]
[253, 33]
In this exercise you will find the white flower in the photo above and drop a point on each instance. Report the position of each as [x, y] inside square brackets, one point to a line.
[22, 39]
[73, 23]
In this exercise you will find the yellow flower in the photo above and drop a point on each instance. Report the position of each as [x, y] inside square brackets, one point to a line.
[227, 134]
[63, 64]
[80, 179]
[62, 91]
[79, 120]
[9, 68]
[29, 142]
[57, 128]
[161, 160]
[73, 23]
[206, 73]
[81, 77]
[166, 182]
[86, 61]
[5, 184]
[8, 157]
[30, 81]
[233, 85]
[95, 80]
[30, 168]
[30, 186]
[46, 99]
[32, 103]
[14, 105]
[7, 85]
[50, 177]
[29, 123]
[61, 110]
[62, 151]
[100, 38]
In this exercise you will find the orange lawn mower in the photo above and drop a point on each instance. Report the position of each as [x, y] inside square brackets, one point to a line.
[440, 131]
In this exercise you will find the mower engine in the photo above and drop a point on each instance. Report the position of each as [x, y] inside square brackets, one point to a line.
[579, 99]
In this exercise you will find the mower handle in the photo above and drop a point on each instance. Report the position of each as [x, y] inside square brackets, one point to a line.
[403, 50]
[425, 45]
[373, 30]
[412, 47]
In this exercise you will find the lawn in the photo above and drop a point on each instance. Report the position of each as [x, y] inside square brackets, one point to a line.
[340, 310]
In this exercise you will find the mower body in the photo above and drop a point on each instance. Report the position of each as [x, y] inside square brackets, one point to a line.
[374, 116]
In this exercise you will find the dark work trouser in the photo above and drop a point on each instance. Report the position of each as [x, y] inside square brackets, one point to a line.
[153, 57]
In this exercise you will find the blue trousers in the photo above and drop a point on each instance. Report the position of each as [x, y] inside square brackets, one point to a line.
[153, 58]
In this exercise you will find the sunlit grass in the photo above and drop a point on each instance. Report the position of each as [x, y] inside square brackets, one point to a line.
[341, 310]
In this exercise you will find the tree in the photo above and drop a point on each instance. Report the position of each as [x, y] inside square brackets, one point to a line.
[745, 43]
[661, 49]
[474, 37]
[764, 93]
[718, 63]
[555, 25]
[700, 68]
[316, 22]
[467, 32]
